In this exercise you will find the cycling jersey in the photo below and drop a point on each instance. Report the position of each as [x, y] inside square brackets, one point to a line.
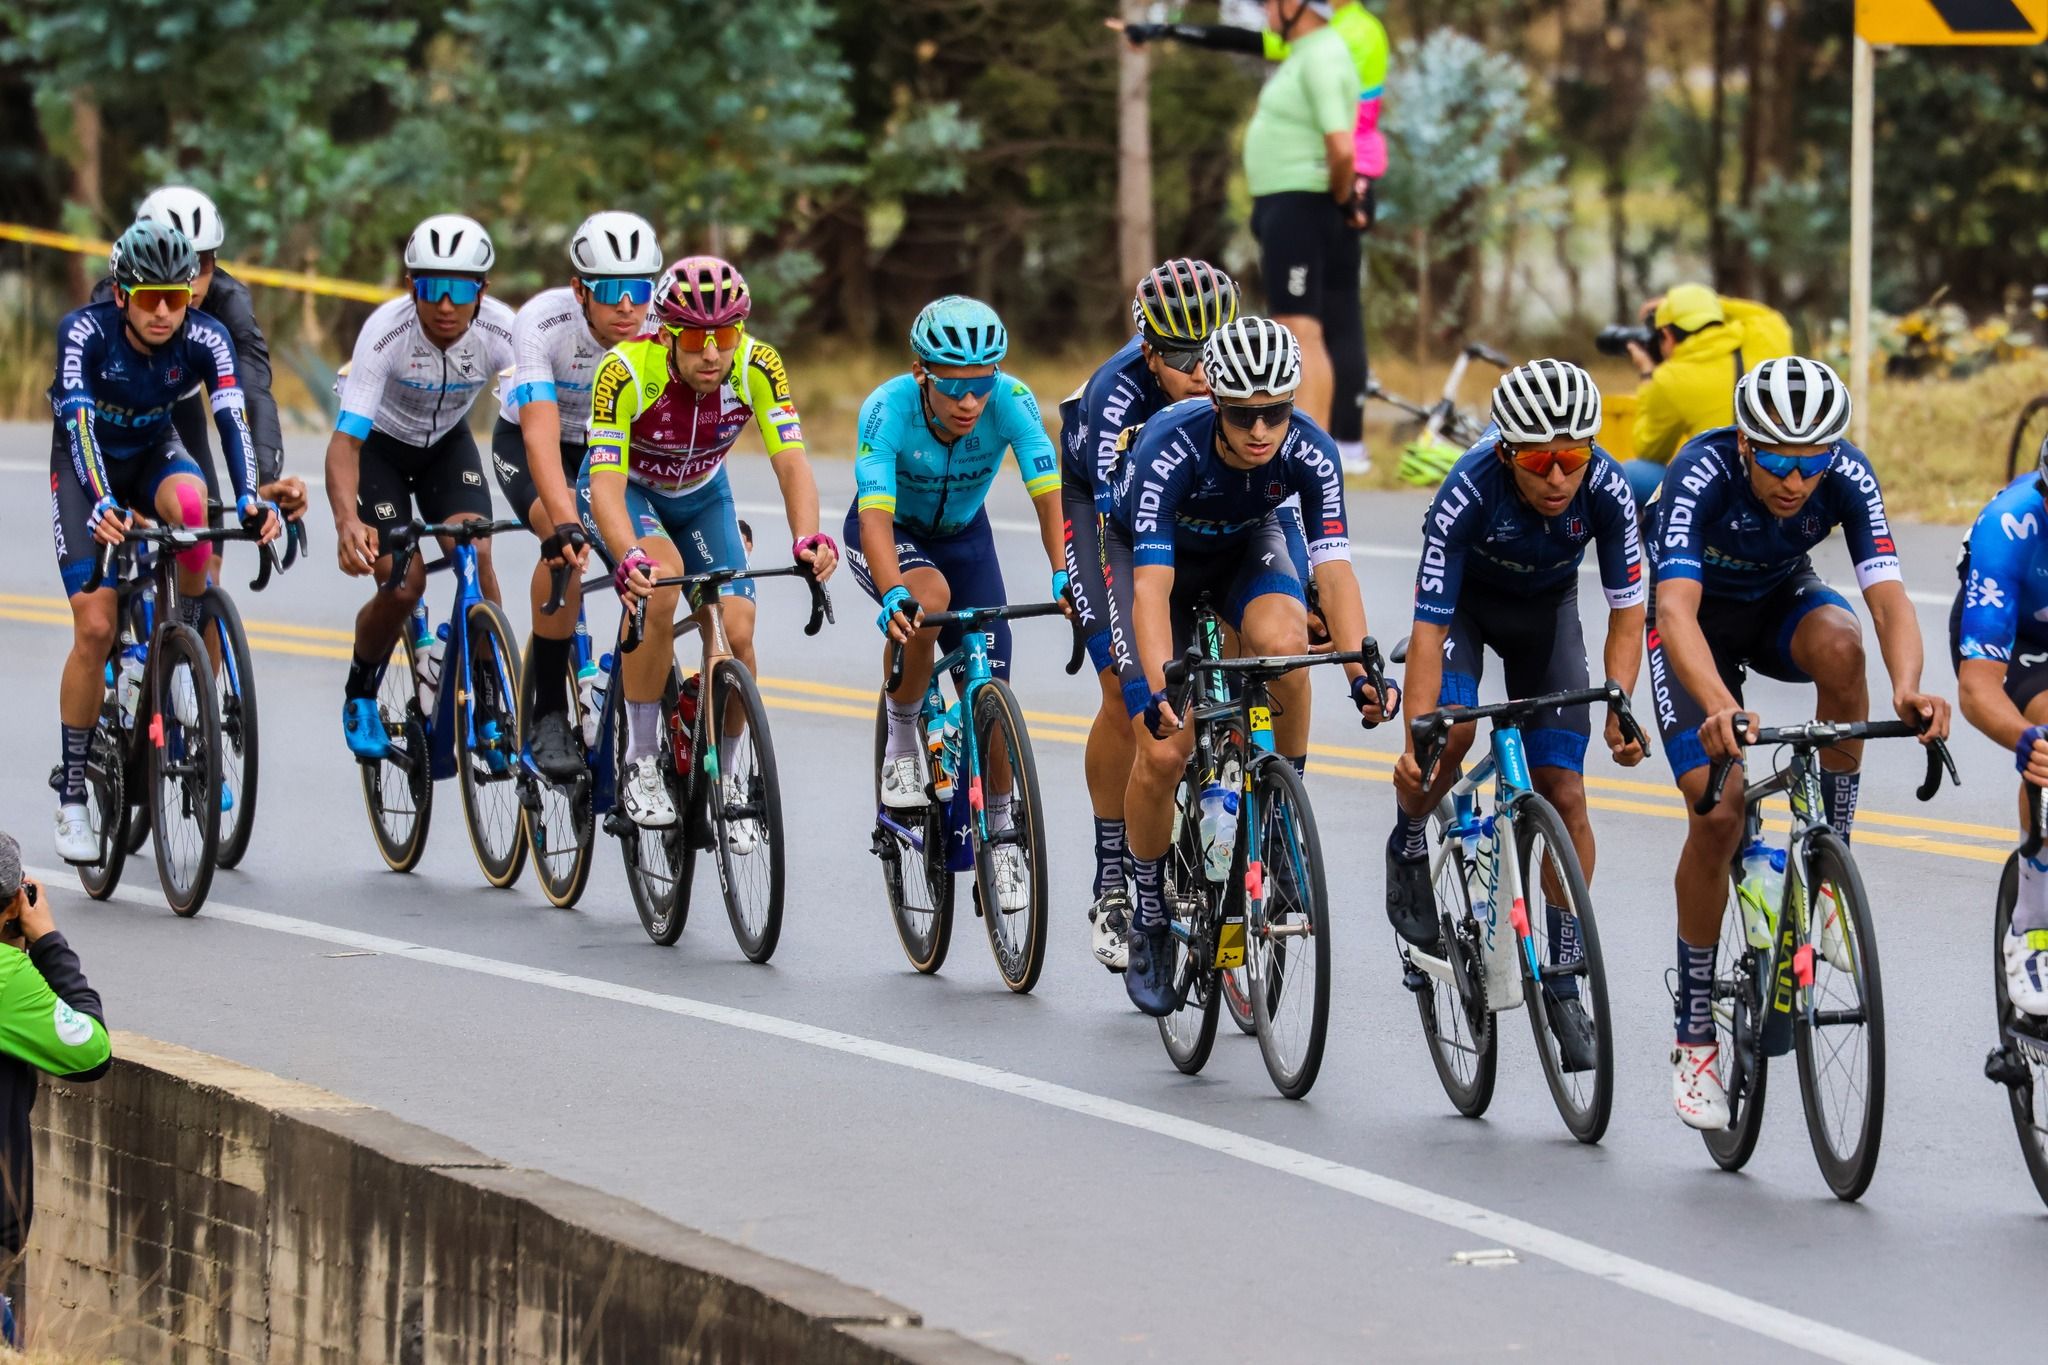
[2004, 601]
[1480, 527]
[663, 435]
[1175, 493]
[1121, 393]
[554, 357]
[405, 386]
[1711, 527]
[933, 487]
[115, 401]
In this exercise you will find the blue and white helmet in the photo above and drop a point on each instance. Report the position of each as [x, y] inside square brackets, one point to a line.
[957, 330]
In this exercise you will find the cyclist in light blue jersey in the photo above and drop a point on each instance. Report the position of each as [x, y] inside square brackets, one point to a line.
[917, 536]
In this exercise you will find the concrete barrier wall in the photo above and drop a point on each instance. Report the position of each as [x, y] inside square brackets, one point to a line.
[189, 1208]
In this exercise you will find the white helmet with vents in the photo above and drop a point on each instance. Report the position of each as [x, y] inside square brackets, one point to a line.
[187, 210]
[1792, 401]
[450, 241]
[615, 244]
[1546, 400]
[1251, 355]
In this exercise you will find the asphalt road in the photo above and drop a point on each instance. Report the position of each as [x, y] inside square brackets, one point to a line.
[1032, 1171]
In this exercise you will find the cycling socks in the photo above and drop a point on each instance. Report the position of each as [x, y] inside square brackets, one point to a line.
[362, 678]
[902, 727]
[1148, 878]
[2029, 912]
[643, 729]
[1695, 993]
[1564, 950]
[999, 812]
[76, 740]
[550, 672]
[1411, 835]
[1109, 855]
[1838, 792]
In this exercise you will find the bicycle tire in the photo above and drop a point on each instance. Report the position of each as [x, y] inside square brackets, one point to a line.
[1189, 1033]
[2022, 1099]
[1237, 1001]
[561, 828]
[399, 797]
[1466, 1069]
[1848, 1173]
[2028, 430]
[1283, 1003]
[1740, 972]
[106, 790]
[235, 692]
[659, 862]
[1584, 1109]
[919, 882]
[184, 801]
[137, 605]
[756, 920]
[1019, 959]
[487, 745]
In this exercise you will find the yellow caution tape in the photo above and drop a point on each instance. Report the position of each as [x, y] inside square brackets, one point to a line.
[248, 274]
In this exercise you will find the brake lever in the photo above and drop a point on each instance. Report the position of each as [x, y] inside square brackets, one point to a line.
[636, 619]
[266, 559]
[821, 606]
[1376, 679]
[102, 568]
[1938, 758]
[558, 585]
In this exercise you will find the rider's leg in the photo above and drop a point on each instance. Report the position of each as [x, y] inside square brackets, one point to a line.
[1276, 622]
[1107, 762]
[645, 671]
[1827, 646]
[181, 501]
[1701, 884]
[552, 631]
[1148, 814]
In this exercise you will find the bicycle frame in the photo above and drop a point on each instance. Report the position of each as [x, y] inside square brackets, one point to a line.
[1491, 843]
[458, 665]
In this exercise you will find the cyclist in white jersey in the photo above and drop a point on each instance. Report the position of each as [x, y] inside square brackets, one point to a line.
[402, 438]
[537, 445]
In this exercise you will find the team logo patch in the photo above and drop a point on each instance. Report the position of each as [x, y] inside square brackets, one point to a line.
[384, 511]
[472, 478]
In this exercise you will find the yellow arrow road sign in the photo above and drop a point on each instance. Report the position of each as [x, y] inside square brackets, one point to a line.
[1952, 22]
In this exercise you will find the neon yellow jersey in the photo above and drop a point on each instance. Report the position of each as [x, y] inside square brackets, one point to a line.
[1365, 37]
[664, 435]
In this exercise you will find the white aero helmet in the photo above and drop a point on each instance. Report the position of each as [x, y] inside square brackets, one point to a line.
[1546, 400]
[450, 241]
[615, 244]
[1251, 355]
[1792, 401]
[187, 210]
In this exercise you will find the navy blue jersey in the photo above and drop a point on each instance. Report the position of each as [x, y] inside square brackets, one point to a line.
[1175, 493]
[1712, 528]
[115, 401]
[2005, 574]
[1480, 527]
[1120, 394]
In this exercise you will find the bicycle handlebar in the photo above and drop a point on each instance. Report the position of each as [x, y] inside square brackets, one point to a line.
[1821, 734]
[1431, 732]
[636, 615]
[185, 537]
[974, 618]
[403, 542]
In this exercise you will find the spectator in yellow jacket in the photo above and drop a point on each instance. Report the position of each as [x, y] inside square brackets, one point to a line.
[1708, 342]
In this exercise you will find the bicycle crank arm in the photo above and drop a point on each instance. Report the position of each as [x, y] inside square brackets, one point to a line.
[1432, 966]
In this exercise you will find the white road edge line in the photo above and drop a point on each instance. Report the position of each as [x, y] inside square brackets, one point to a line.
[1720, 1305]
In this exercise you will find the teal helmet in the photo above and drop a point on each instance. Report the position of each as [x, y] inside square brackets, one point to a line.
[153, 253]
[957, 330]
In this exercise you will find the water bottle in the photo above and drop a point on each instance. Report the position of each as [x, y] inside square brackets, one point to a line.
[936, 718]
[428, 651]
[592, 681]
[949, 754]
[1218, 824]
[128, 683]
[1762, 891]
[686, 714]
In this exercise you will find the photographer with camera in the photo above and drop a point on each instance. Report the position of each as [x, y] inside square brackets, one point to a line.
[1695, 345]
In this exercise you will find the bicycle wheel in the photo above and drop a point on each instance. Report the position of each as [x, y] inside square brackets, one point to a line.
[1196, 904]
[106, 806]
[560, 828]
[1237, 1000]
[234, 687]
[1740, 975]
[398, 789]
[1016, 928]
[659, 862]
[2027, 433]
[916, 872]
[184, 780]
[1463, 1046]
[746, 812]
[1289, 964]
[1552, 879]
[2028, 1097]
[1840, 1039]
[487, 745]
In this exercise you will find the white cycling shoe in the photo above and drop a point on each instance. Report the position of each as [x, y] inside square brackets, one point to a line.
[902, 783]
[76, 843]
[184, 698]
[1696, 1089]
[1013, 892]
[2026, 971]
[647, 800]
[742, 835]
[1110, 918]
[1834, 944]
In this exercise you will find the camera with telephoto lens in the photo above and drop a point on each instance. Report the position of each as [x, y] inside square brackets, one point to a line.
[1614, 339]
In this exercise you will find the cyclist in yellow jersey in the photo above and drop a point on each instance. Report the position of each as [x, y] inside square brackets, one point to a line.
[664, 411]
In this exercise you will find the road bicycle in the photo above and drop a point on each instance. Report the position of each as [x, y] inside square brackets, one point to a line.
[1269, 914]
[1799, 969]
[2020, 1061]
[155, 752]
[970, 765]
[1442, 430]
[718, 764]
[1487, 866]
[451, 710]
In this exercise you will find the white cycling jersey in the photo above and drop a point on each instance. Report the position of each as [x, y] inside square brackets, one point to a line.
[405, 386]
[553, 357]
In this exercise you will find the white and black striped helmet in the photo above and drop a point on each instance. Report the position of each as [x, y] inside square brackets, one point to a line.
[1251, 355]
[1792, 401]
[1546, 400]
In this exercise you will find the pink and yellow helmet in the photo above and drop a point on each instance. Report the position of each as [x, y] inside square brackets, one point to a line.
[702, 291]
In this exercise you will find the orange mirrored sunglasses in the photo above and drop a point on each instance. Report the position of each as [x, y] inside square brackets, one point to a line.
[1538, 462]
[702, 338]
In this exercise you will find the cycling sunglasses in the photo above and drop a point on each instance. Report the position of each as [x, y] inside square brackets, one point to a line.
[1571, 459]
[612, 291]
[457, 289]
[974, 386]
[1785, 466]
[1272, 414]
[1187, 362]
[156, 298]
[727, 338]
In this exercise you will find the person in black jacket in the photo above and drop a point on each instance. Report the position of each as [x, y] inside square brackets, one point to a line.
[50, 1021]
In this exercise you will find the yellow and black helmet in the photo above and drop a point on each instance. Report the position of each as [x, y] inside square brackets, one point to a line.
[1180, 302]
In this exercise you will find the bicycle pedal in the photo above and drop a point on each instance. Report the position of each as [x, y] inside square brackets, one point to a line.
[2004, 1066]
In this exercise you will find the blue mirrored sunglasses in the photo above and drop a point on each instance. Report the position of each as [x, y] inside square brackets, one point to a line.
[1785, 466]
[455, 288]
[976, 386]
[636, 292]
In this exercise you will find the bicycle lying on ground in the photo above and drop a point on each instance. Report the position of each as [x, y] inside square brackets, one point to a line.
[1797, 962]
[2030, 428]
[1443, 431]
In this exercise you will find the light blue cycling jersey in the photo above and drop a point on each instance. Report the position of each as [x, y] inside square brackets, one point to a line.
[2005, 575]
[935, 489]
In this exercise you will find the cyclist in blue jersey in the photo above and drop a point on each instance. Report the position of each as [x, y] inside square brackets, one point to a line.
[1738, 511]
[122, 366]
[1197, 512]
[1998, 640]
[1176, 307]
[917, 535]
[1501, 546]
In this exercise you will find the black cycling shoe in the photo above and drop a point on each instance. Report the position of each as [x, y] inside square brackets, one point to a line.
[1411, 901]
[557, 751]
[1148, 979]
[1577, 1049]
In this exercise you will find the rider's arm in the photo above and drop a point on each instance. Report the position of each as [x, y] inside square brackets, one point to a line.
[1216, 37]
[78, 342]
[1623, 577]
[1981, 688]
[212, 354]
[1332, 85]
[1152, 619]
[1678, 626]
[874, 476]
[614, 403]
[1038, 463]
[1343, 606]
[1423, 679]
[1859, 503]
[1318, 479]
[1898, 639]
[540, 421]
[768, 394]
[231, 307]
